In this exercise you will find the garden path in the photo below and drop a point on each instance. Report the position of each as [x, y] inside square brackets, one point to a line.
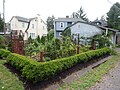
[110, 81]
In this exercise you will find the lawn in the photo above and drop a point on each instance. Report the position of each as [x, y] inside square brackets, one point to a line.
[91, 77]
[9, 81]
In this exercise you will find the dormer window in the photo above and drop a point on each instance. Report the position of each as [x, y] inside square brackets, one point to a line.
[61, 24]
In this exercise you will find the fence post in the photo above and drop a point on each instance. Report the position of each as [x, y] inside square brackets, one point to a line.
[78, 47]
[41, 56]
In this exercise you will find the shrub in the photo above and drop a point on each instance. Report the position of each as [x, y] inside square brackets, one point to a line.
[46, 70]
[4, 53]
[19, 61]
[59, 53]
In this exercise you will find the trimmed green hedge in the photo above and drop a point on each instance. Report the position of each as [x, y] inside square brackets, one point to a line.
[38, 71]
[19, 61]
[4, 53]
[46, 70]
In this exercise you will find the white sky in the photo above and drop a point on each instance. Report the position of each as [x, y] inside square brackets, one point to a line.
[58, 8]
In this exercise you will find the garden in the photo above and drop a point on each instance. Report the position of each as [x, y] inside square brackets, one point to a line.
[59, 55]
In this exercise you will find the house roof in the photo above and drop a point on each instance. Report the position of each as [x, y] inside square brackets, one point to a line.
[69, 19]
[98, 26]
[22, 19]
[102, 22]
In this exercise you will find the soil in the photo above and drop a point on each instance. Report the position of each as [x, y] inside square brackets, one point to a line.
[65, 77]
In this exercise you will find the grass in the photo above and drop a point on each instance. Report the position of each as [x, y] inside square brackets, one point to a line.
[8, 81]
[91, 77]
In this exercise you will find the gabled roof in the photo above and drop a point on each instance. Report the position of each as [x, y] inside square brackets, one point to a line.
[98, 26]
[22, 19]
[69, 19]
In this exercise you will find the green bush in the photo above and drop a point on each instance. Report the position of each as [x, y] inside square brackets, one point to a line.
[19, 61]
[4, 53]
[39, 71]
[46, 70]
[60, 54]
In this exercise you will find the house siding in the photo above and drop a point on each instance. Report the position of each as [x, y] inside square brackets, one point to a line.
[85, 30]
[36, 26]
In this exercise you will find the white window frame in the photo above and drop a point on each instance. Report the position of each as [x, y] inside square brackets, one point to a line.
[23, 24]
[32, 35]
[60, 33]
[61, 24]
[32, 26]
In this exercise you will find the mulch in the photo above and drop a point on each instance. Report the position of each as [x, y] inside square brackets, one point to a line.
[56, 79]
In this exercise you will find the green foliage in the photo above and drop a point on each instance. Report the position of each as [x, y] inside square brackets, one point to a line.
[43, 40]
[50, 21]
[19, 61]
[59, 54]
[90, 78]
[46, 70]
[80, 14]
[67, 32]
[4, 53]
[2, 41]
[38, 38]
[103, 40]
[113, 16]
[1, 24]
[9, 81]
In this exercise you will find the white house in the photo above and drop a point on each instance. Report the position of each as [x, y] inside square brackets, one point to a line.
[88, 30]
[30, 27]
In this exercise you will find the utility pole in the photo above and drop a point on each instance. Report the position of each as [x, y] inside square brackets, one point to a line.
[4, 17]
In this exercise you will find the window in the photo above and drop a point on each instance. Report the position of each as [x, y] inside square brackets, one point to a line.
[60, 33]
[61, 24]
[33, 26]
[15, 25]
[23, 25]
[78, 26]
[43, 27]
[32, 35]
[69, 23]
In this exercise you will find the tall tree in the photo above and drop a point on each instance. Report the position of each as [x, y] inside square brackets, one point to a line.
[50, 21]
[1, 24]
[114, 16]
[80, 14]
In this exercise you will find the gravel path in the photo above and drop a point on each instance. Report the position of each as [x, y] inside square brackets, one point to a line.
[110, 81]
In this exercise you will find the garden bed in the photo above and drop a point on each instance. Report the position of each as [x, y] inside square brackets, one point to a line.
[57, 79]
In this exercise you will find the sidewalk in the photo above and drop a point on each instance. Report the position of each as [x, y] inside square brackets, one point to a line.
[110, 81]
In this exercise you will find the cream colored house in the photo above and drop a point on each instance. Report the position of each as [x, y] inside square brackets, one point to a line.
[29, 27]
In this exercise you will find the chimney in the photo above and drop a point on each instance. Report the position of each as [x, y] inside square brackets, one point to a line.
[67, 16]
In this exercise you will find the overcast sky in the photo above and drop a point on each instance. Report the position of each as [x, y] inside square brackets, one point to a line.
[58, 8]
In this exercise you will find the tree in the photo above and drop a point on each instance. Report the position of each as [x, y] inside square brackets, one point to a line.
[50, 21]
[2, 41]
[1, 24]
[80, 14]
[113, 16]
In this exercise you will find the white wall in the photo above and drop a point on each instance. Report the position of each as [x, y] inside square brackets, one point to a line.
[85, 30]
[39, 28]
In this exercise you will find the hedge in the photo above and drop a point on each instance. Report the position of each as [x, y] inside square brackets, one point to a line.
[4, 53]
[19, 61]
[46, 70]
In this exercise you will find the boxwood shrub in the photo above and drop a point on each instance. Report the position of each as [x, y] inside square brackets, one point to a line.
[19, 61]
[4, 53]
[45, 70]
